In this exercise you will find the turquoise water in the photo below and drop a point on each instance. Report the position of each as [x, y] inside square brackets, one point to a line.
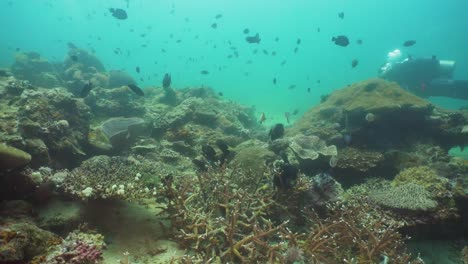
[46, 26]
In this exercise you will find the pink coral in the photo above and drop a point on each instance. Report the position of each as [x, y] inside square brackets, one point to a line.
[79, 253]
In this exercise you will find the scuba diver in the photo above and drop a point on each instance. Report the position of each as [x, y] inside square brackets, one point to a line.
[424, 76]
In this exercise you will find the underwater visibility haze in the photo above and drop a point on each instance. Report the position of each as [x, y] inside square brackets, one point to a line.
[309, 131]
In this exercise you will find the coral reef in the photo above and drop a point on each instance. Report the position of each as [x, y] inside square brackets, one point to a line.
[54, 120]
[409, 196]
[77, 248]
[117, 102]
[425, 177]
[399, 118]
[11, 157]
[20, 239]
[111, 177]
[120, 131]
[353, 160]
[32, 67]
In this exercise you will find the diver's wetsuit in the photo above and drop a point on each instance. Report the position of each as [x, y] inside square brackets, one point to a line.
[427, 77]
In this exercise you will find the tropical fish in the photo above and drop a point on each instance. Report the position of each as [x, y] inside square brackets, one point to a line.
[409, 43]
[354, 63]
[262, 118]
[287, 115]
[118, 13]
[166, 83]
[136, 89]
[341, 40]
[341, 15]
[253, 39]
[86, 89]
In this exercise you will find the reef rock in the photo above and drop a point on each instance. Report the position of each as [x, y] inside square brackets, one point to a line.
[121, 130]
[21, 240]
[58, 120]
[32, 67]
[115, 102]
[11, 157]
[112, 177]
[119, 78]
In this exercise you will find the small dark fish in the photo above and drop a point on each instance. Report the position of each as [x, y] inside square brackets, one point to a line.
[253, 39]
[86, 89]
[17, 49]
[204, 72]
[318, 30]
[166, 81]
[296, 49]
[274, 81]
[283, 62]
[246, 31]
[218, 16]
[298, 41]
[291, 87]
[209, 153]
[220, 93]
[265, 52]
[214, 25]
[118, 13]
[287, 115]
[295, 112]
[273, 53]
[354, 63]
[359, 41]
[136, 89]
[71, 45]
[341, 15]
[74, 58]
[318, 81]
[341, 40]
[137, 69]
[276, 39]
[308, 90]
[409, 43]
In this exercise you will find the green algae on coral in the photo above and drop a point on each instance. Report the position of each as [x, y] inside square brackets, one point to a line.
[11, 157]
[409, 196]
[423, 176]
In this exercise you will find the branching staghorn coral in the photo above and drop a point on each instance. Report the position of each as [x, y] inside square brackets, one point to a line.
[218, 221]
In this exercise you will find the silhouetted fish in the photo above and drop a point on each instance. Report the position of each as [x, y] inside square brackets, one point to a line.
[274, 81]
[137, 69]
[354, 63]
[341, 40]
[298, 41]
[166, 83]
[74, 58]
[253, 39]
[218, 16]
[409, 43]
[204, 72]
[246, 31]
[86, 89]
[341, 15]
[214, 25]
[136, 89]
[118, 13]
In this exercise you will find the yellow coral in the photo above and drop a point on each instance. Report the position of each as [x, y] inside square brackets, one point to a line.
[425, 177]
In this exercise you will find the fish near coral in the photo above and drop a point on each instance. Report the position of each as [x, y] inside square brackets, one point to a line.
[262, 118]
